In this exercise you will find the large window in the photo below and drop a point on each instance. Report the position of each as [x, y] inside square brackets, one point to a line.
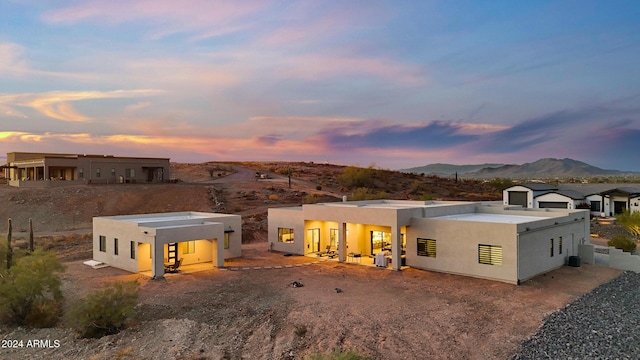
[130, 173]
[115, 246]
[189, 247]
[426, 247]
[490, 254]
[133, 249]
[103, 243]
[380, 241]
[595, 206]
[285, 235]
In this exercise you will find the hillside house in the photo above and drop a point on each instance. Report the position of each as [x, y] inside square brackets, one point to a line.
[600, 199]
[503, 243]
[47, 169]
[148, 242]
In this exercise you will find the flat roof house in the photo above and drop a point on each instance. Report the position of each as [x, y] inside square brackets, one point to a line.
[48, 169]
[149, 241]
[503, 243]
[600, 199]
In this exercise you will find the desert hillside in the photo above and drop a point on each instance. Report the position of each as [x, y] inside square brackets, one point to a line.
[249, 309]
[62, 216]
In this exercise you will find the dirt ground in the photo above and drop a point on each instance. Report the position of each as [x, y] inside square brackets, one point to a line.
[252, 313]
[257, 314]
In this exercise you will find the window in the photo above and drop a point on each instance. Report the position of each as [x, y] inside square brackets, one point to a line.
[226, 240]
[380, 241]
[81, 173]
[490, 254]
[426, 247]
[189, 247]
[285, 235]
[551, 246]
[113, 172]
[333, 238]
[560, 245]
[595, 206]
[130, 173]
[115, 246]
[133, 249]
[103, 243]
[98, 172]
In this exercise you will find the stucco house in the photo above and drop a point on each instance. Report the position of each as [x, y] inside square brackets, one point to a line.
[147, 242]
[491, 241]
[600, 199]
[48, 169]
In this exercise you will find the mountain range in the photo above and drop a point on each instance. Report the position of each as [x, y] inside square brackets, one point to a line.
[543, 168]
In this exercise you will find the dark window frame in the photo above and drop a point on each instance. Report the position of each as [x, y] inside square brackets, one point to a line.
[490, 254]
[103, 243]
[426, 247]
[282, 232]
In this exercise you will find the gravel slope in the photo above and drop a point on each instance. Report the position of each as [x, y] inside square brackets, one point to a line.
[602, 324]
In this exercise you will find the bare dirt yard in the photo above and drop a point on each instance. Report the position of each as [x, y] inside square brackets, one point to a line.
[257, 314]
[249, 310]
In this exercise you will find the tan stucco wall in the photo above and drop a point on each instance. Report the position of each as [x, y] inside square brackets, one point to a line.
[457, 247]
[286, 218]
[125, 232]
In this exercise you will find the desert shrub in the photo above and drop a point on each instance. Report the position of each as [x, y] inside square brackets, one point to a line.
[30, 291]
[340, 355]
[622, 242]
[426, 197]
[301, 330]
[318, 187]
[312, 199]
[366, 194]
[353, 177]
[105, 311]
[630, 221]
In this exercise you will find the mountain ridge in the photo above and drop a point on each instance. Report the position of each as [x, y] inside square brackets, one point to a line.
[546, 167]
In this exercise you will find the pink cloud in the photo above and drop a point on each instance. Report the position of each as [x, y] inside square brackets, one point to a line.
[172, 16]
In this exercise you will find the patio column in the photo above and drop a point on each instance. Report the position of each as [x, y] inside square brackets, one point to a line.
[342, 242]
[396, 247]
[157, 260]
[218, 251]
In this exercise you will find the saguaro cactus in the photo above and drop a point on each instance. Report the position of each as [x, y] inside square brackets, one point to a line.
[9, 249]
[30, 235]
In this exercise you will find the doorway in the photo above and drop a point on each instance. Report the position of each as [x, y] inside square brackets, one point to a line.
[313, 238]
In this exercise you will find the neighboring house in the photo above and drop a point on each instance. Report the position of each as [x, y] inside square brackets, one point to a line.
[504, 243]
[600, 199]
[147, 242]
[44, 169]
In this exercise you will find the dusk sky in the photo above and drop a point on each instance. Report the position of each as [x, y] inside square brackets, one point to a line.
[395, 83]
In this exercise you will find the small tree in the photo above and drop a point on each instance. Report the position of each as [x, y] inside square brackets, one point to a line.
[106, 311]
[630, 221]
[30, 291]
[354, 177]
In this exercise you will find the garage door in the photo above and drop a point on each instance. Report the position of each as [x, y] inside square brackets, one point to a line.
[552, 205]
[518, 198]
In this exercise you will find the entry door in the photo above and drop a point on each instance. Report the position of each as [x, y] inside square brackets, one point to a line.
[313, 238]
[619, 207]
